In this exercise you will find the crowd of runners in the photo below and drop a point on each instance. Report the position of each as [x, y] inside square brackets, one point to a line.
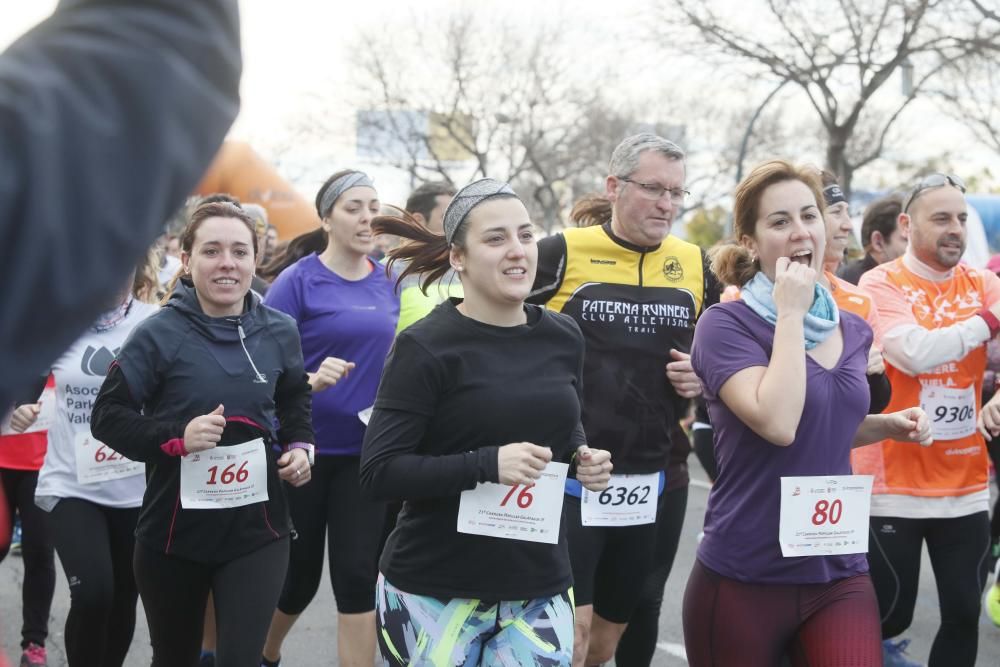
[485, 432]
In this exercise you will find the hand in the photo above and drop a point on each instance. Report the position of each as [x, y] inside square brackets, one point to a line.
[593, 468]
[24, 416]
[204, 432]
[330, 372]
[293, 467]
[682, 376]
[910, 425]
[988, 421]
[522, 462]
[794, 287]
[876, 364]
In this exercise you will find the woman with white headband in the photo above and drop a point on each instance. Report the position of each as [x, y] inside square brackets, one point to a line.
[346, 309]
[476, 426]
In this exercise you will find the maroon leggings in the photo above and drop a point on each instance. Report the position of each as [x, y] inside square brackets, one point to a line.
[728, 622]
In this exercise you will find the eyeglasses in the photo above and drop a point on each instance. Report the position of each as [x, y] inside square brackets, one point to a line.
[933, 181]
[654, 191]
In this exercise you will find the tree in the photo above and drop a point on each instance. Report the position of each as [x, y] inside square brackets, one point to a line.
[840, 61]
[509, 101]
[972, 96]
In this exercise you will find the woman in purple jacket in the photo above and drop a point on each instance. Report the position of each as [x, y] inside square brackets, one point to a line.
[346, 308]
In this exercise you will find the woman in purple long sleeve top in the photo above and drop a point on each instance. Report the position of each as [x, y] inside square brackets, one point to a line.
[346, 308]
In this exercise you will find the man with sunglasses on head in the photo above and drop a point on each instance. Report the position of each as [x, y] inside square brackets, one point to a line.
[636, 292]
[935, 315]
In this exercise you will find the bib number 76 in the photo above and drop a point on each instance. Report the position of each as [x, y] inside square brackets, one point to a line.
[524, 498]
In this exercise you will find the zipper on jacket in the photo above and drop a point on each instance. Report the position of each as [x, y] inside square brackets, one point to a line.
[642, 258]
[259, 379]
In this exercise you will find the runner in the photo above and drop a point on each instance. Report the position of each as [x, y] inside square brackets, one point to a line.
[784, 377]
[477, 415]
[635, 291]
[91, 493]
[936, 315]
[21, 457]
[881, 237]
[346, 309]
[848, 297]
[192, 394]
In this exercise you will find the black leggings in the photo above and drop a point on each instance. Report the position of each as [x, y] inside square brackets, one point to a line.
[958, 550]
[18, 487]
[729, 622]
[95, 544]
[330, 509]
[175, 590]
[993, 446]
[638, 644]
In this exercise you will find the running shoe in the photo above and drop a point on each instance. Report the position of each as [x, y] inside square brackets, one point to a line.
[33, 656]
[15, 539]
[894, 654]
[991, 601]
[206, 660]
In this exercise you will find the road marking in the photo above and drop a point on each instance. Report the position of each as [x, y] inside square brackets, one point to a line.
[676, 650]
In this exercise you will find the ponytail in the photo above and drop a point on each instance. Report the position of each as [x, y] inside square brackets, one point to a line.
[591, 210]
[304, 244]
[732, 264]
[427, 253]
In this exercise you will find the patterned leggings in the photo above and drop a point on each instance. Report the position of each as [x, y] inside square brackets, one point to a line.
[423, 630]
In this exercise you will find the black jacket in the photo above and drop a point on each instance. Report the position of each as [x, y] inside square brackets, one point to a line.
[180, 364]
[110, 112]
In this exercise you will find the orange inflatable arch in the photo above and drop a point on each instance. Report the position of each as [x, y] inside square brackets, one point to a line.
[240, 171]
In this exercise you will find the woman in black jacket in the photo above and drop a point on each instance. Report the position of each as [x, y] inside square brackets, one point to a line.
[196, 393]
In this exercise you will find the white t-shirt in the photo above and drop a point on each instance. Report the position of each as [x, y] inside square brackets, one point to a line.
[79, 374]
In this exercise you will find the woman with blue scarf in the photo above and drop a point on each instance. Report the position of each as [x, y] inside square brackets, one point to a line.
[784, 372]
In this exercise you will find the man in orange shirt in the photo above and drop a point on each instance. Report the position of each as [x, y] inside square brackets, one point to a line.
[935, 317]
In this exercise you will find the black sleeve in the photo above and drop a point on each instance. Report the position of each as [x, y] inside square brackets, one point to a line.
[392, 471]
[881, 393]
[712, 287]
[110, 112]
[31, 392]
[293, 395]
[391, 468]
[117, 421]
[552, 257]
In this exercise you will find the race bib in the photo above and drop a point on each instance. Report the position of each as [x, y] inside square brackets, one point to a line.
[224, 476]
[629, 500]
[824, 516]
[530, 513]
[952, 411]
[96, 462]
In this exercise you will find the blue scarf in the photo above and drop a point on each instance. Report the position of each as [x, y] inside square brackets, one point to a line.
[822, 318]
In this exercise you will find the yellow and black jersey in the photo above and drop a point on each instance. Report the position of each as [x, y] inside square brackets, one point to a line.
[633, 305]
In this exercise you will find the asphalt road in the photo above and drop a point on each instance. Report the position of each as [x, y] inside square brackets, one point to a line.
[313, 640]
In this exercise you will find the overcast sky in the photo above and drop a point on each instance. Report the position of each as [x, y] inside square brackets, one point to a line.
[295, 49]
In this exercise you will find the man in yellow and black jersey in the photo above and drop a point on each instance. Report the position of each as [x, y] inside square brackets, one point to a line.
[636, 293]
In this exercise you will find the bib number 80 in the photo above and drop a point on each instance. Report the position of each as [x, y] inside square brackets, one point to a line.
[826, 511]
[618, 495]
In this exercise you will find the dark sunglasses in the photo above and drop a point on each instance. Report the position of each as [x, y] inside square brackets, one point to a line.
[933, 181]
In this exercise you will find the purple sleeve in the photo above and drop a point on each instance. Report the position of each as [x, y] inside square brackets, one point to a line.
[285, 293]
[724, 344]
